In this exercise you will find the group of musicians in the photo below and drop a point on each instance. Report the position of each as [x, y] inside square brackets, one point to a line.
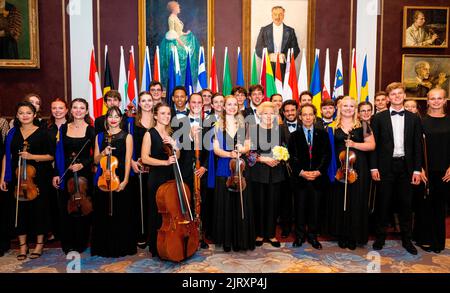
[256, 164]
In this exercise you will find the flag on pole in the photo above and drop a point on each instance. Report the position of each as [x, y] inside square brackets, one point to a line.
[132, 82]
[188, 76]
[293, 83]
[303, 75]
[177, 67]
[95, 91]
[267, 78]
[353, 90]
[146, 72]
[326, 78]
[278, 80]
[201, 80]
[170, 79]
[254, 78]
[338, 88]
[240, 70]
[123, 82]
[287, 90]
[156, 68]
[108, 83]
[315, 87]
[227, 83]
[364, 95]
[213, 82]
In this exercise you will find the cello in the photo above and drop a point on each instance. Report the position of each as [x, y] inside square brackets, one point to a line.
[109, 181]
[178, 237]
[26, 188]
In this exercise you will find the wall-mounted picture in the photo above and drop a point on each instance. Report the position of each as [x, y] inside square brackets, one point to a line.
[184, 25]
[421, 73]
[19, 34]
[425, 27]
[277, 26]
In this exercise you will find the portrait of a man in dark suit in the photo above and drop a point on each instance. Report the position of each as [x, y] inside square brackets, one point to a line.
[277, 37]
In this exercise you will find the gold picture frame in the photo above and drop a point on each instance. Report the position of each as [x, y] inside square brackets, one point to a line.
[425, 27]
[209, 24]
[247, 35]
[421, 72]
[23, 47]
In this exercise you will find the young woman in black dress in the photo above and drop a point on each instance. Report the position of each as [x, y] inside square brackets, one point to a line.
[231, 228]
[137, 127]
[77, 136]
[33, 215]
[160, 163]
[352, 224]
[430, 213]
[112, 233]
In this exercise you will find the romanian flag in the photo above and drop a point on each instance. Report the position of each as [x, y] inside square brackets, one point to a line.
[108, 83]
[364, 95]
[95, 92]
[227, 84]
[315, 86]
[353, 90]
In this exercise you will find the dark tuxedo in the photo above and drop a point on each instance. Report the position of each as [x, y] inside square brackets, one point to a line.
[308, 193]
[265, 40]
[249, 115]
[395, 173]
[173, 112]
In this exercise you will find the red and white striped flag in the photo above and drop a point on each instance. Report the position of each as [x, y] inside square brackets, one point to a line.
[156, 68]
[132, 82]
[326, 92]
[95, 99]
[213, 82]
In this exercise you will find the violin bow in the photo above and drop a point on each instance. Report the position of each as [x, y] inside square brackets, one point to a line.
[240, 181]
[182, 184]
[346, 174]
[18, 192]
[75, 158]
[427, 185]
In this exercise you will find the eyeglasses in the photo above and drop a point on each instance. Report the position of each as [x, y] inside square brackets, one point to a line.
[207, 96]
[155, 90]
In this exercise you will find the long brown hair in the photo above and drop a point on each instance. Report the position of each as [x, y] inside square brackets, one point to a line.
[51, 121]
[222, 123]
[87, 118]
[155, 113]
[138, 119]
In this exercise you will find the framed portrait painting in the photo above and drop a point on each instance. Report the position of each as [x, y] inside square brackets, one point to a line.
[421, 73]
[182, 26]
[425, 27]
[19, 34]
[261, 18]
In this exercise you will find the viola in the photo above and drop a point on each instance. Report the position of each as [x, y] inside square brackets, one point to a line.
[109, 181]
[79, 203]
[26, 188]
[178, 237]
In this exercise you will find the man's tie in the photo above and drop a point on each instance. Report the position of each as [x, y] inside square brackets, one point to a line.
[309, 144]
[194, 120]
[207, 113]
[401, 113]
[181, 112]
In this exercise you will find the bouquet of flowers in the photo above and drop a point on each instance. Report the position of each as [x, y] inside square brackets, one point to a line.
[280, 153]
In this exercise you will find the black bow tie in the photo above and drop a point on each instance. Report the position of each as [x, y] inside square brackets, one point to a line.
[194, 120]
[292, 124]
[206, 113]
[181, 112]
[401, 113]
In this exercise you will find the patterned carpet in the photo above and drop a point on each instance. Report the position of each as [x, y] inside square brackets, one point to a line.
[265, 259]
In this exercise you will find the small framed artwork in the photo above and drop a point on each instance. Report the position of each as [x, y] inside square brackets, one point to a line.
[421, 73]
[19, 34]
[425, 27]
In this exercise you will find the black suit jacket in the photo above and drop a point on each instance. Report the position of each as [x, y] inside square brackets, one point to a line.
[381, 158]
[299, 153]
[249, 116]
[265, 40]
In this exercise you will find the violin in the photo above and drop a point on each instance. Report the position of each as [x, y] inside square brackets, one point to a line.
[344, 173]
[80, 203]
[26, 188]
[236, 181]
[109, 181]
[178, 237]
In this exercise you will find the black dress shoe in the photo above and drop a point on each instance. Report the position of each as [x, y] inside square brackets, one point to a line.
[342, 243]
[315, 243]
[351, 245]
[142, 245]
[203, 244]
[378, 244]
[407, 244]
[425, 248]
[275, 243]
[298, 242]
[259, 242]
[226, 248]
[437, 250]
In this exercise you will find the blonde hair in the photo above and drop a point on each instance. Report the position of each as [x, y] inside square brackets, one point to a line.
[221, 124]
[171, 4]
[356, 122]
[155, 113]
[265, 105]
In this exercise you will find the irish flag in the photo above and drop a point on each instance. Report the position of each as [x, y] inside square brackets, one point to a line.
[95, 99]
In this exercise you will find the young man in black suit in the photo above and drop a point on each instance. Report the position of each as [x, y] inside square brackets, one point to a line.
[111, 98]
[396, 163]
[256, 93]
[310, 151]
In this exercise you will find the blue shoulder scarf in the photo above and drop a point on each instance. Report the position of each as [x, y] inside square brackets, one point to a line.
[8, 171]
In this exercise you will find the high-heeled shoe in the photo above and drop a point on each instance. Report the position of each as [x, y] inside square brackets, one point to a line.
[22, 256]
[35, 254]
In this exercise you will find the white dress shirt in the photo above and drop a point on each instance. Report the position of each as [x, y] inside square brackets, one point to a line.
[277, 37]
[398, 130]
[292, 127]
[258, 121]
